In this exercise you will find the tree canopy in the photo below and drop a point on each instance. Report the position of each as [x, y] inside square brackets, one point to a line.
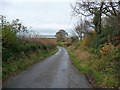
[61, 35]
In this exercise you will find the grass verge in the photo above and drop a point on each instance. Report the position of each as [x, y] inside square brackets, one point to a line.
[15, 66]
[98, 71]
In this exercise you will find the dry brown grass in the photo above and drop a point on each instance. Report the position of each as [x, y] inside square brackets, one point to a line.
[48, 41]
[106, 48]
[82, 54]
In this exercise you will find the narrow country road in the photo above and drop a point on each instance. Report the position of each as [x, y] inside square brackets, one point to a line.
[53, 72]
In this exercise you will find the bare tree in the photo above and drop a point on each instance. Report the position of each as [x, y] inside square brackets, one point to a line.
[82, 29]
[96, 9]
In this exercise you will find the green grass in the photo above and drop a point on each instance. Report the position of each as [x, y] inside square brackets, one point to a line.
[101, 69]
[13, 67]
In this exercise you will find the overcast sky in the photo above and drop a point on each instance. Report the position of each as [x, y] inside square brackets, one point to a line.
[44, 16]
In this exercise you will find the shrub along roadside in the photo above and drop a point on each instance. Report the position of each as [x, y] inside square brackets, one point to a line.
[100, 72]
[13, 67]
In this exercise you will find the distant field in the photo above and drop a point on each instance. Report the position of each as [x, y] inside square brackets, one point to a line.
[41, 40]
[48, 36]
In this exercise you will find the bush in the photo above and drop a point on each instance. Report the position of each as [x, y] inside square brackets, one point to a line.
[13, 45]
[9, 37]
[6, 54]
[99, 40]
[115, 58]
